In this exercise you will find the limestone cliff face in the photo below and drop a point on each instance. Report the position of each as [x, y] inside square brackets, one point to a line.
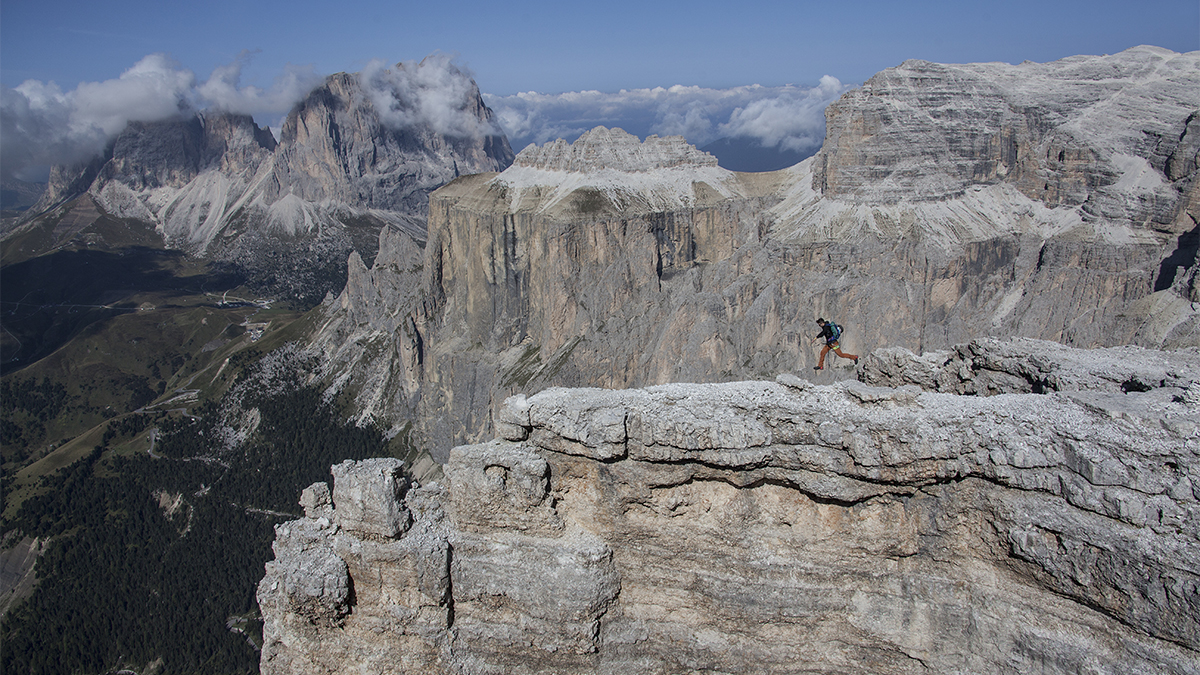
[525, 283]
[336, 146]
[777, 527]
[900, 521]
[172, 154]
[1094, 132]
[620, 263]
[149, 159]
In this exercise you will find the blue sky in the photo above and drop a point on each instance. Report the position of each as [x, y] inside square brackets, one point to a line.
[556, 46]
[266, 52]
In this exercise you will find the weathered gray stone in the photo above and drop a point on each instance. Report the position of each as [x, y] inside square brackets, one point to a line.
[501, 486]
[337, 599]
[1064, 132]
[869, 528]
[989, 366]
[368, 496]
[510, 592]
[793, 382]
[513, 422]
[317, 501]
[306, 578]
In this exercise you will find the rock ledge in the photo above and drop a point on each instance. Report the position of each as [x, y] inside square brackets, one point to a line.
[732, 527]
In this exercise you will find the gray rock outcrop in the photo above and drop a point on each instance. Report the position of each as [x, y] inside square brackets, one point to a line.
[369, 496]
[988, 366]
[1095, 132]
[783, 527]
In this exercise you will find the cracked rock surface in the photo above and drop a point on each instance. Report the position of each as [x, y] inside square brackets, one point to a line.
[783, 527]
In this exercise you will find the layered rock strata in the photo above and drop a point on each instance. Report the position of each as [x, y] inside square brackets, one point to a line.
[623, 263]
[1112, 135]
[777, 527]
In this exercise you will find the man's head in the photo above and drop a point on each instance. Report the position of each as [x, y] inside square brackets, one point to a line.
[820, 322]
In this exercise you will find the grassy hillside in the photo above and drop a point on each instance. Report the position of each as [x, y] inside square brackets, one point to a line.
[96, 337]
[117, 369]
[155, 555]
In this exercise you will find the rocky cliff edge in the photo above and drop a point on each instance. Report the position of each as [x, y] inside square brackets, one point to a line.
[777, 527]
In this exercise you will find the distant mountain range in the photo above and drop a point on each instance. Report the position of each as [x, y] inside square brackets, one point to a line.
[390, 265]
[285, 214]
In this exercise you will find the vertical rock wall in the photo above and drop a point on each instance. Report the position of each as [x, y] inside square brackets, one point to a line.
[620, 263]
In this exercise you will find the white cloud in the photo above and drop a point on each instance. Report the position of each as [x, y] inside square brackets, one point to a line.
[35, 126]
[793, 120]
[223, 89]
[434, 92]
[788, 117]
[155, 88]
[43, 125]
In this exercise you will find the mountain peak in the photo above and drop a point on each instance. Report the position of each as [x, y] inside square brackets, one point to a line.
[630, 175]
[616, 149]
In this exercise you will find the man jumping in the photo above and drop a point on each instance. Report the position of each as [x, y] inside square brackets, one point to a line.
[831, 332]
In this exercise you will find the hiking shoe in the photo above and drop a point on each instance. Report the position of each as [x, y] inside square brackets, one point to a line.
[856, 360]
[818, 368]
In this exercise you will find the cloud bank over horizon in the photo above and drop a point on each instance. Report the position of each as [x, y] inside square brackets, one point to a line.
[42, 125]
[787, 118]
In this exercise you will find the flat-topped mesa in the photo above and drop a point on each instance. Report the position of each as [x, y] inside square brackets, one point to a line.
[604, 148]
[611, 167]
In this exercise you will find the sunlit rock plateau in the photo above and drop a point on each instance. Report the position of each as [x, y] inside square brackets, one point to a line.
[777, 527]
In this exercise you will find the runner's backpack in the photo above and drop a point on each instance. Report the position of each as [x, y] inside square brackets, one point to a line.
[836, 331]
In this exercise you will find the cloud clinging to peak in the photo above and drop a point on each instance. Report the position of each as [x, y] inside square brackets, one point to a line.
[433, 92]
[224, 91]
[44, 125]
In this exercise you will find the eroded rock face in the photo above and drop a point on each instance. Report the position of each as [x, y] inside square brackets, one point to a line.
[368, 497]
[1094, 131]
[337, 146]
[784, 526]
[988, 366]
[622, 263]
